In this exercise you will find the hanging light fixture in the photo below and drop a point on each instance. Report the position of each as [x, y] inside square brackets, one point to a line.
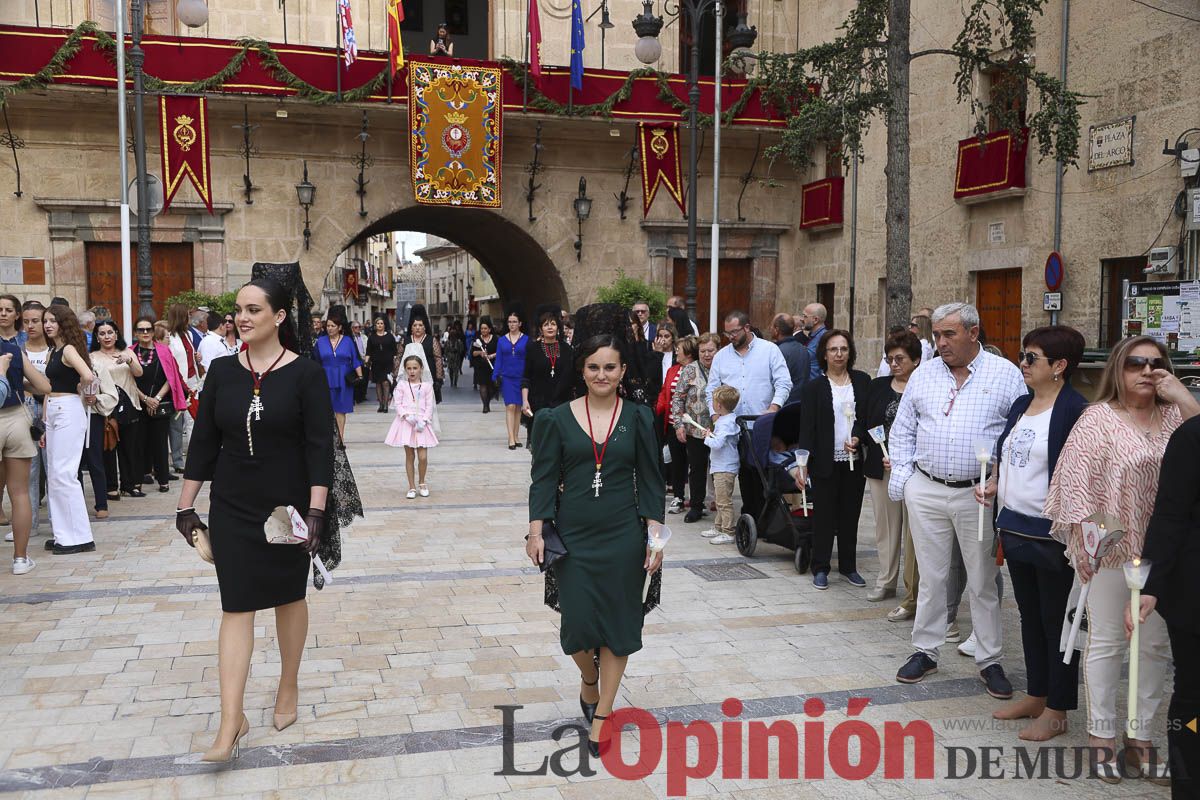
[193, 13]
[606, 22]
[306, 193]
[583, 209]
[647, 27]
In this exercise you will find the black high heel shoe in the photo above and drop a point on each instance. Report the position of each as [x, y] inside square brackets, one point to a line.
[588, 709]
[597, 749]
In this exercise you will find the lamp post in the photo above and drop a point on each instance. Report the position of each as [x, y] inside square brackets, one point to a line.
[306, 192]
[583, 209]
[648, 50]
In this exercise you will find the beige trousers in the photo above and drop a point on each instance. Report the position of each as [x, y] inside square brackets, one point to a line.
[723, 483]
[891, 524]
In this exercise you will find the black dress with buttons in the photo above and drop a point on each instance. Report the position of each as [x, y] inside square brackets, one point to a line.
[292, 452]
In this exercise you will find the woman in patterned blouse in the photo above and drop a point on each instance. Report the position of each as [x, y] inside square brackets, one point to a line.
[1110, 464]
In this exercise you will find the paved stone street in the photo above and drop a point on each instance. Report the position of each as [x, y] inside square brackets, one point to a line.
[109, 675]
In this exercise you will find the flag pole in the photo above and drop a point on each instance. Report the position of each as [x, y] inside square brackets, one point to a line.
[337, 12]
[525, 83]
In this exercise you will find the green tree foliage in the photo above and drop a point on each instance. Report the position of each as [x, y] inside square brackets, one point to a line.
[220, 303]
[833, 92]
[625, 291]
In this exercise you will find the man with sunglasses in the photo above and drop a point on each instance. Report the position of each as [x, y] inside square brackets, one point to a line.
[951, 403]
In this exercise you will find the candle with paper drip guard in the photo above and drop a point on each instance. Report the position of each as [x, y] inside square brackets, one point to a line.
[1101, 533]
[657, 537]
[688, 419]
[879, 436]
[983, 454]
[848, 413]
[802, 464]
[1136, 573]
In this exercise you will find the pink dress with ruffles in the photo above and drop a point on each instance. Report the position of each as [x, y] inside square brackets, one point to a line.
[415, 401]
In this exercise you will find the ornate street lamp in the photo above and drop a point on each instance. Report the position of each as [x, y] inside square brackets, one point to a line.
[306, 193]
[583, 209]
[648, 50]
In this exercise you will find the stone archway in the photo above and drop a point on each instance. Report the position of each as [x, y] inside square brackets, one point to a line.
[517, 263]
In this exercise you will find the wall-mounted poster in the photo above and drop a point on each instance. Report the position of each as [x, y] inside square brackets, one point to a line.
[456, 17]
[414, 15]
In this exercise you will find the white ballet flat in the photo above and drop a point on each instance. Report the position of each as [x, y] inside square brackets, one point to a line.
[424, 490]
[412, 494]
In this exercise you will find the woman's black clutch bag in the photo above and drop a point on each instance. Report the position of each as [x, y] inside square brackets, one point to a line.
[552, 545]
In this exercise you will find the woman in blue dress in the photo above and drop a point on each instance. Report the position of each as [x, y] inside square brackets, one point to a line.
[509, 371]
[337, 354]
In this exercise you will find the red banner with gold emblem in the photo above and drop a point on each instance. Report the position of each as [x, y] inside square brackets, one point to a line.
[659, 146]
[350, 284]
[184, 146]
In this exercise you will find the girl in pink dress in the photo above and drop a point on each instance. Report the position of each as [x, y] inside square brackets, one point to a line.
[413, 428]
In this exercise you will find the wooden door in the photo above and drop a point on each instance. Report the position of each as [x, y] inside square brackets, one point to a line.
[999, 302]
[733, 294]
[170, 264]
[1114, 272]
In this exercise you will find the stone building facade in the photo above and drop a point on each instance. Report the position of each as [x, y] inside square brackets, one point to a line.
[990, 247]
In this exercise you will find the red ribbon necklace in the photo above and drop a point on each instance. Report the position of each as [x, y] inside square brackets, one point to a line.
[599, 452]
[551, 355]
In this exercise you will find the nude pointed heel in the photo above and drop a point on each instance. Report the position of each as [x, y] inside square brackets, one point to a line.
[283, 721]
[231, 753]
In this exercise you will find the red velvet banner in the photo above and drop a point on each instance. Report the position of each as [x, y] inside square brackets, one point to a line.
[821, 203]
[24, 51]
[350, 284]
[991, 165]
[183, 142]
[659, 149]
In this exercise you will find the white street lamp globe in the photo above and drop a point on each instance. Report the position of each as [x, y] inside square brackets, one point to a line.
[193, 13]
[648, 49]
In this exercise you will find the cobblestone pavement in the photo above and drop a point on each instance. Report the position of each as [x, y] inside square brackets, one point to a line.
[108, 676]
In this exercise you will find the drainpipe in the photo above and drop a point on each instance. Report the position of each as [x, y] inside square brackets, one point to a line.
[1058, 165]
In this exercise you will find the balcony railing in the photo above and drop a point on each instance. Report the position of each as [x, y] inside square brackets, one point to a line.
[821, 204]
[992, 167]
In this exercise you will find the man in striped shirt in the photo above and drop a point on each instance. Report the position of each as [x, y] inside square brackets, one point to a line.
[950, 404]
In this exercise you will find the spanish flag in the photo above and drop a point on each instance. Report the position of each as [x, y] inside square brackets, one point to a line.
[395, 12]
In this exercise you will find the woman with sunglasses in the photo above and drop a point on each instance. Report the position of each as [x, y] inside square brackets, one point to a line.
[1110, 463]
[1027, 454]
[902, 355]
[160, 389]
[122, 466]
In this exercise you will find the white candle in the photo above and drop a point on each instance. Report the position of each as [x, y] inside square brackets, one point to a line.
[982, 478]
[983, 454]
[848, 412]
[802, 463]
[1136, 572]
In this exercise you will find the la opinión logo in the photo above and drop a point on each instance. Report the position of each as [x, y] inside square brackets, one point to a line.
[853, 749]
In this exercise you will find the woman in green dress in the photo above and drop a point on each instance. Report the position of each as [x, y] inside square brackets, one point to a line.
[605, 453]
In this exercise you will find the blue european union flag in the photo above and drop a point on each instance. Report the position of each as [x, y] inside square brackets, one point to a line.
[577, 45]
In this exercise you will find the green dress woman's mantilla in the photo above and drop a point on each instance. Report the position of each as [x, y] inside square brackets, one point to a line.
[600, 581]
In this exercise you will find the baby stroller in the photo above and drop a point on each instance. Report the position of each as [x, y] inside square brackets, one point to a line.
[774, 523]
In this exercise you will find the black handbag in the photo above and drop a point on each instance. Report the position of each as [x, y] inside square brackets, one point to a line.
[553, 547]
[351, 379]
[37, 428]
[125, 413]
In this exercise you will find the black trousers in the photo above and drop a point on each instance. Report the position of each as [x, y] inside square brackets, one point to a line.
[678, 468]
[1042, 596]
[128, 456]
[1184, 709]
[92, 460]
[155, 431]
[837, 504]
[697, 462]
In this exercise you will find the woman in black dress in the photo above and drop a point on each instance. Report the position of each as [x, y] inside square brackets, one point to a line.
[157, 404]
[549, 371]
[381, 361]
[483, 361]
[264, 437]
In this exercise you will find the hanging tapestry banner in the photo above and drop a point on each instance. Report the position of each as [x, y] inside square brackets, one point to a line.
[658, 144]
[455, 118]
[184, 146]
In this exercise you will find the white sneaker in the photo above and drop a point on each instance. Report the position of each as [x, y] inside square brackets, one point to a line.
[675, 506]
[23, 565]
[967, 648]
[710, 533]
[8, 537]
[721, 538]
[952, 633]
[424, 492]
[412, 494]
